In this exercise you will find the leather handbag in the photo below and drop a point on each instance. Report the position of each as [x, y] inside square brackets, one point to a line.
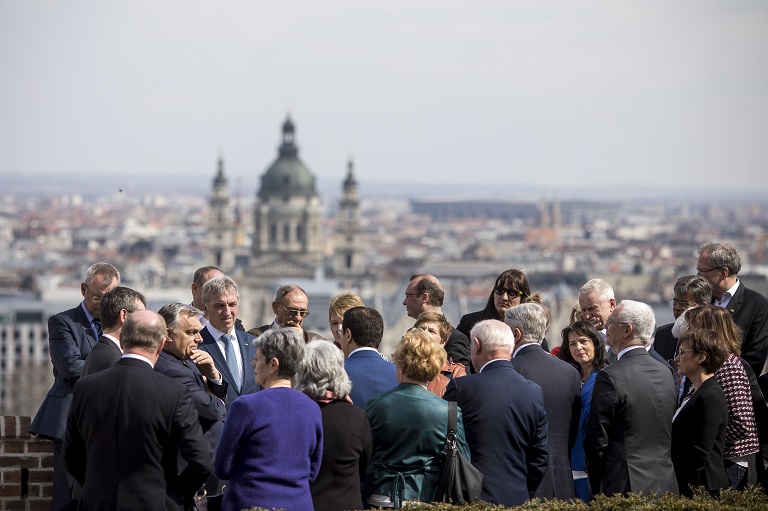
[460, 482]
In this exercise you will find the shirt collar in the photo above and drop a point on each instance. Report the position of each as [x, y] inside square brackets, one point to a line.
[628, 348]
[139, 357]
[87, 314]
[514, 354]
[491, 362]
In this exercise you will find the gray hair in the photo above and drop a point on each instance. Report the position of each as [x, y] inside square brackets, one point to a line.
[323, 369]
[722, 255]
[287, 289]
[218, 286]
[286, 345]
[115, 301]
[494, 334]
[640, 316]
[143, 333]
[172, 311]
[694, 285]
[681, 326]
[602, 288]
[103, 270]
[530, 318]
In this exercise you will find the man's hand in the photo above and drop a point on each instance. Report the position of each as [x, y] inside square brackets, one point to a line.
[204, 362]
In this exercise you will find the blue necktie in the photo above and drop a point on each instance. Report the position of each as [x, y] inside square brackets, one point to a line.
[97, 328]
[229, 352]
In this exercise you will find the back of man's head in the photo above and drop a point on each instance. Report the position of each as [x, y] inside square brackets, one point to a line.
[143, 330]
[365, 325]
[429, 284]
[640, 315]
[530, 318]
[115, 301]
[496, 336]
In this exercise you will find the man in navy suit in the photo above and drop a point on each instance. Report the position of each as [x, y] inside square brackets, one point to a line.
[361, 331]
[183, 361]
[127, 425]
[628, 446]
[504, 418]
[71, 337]
[720, 264]
[562, 395]
[113, 311]
[232, 350]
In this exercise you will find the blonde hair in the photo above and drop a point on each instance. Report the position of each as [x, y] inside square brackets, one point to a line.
[342, 302]
[418, 357]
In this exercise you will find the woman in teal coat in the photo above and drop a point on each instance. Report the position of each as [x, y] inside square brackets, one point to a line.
[409, 425]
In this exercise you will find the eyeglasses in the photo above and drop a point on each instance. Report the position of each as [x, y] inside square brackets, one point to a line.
[295, 312]
[699, 271]
[94, 298]
[680, 353]
[501, 291]
[612, 322]
[681, 303]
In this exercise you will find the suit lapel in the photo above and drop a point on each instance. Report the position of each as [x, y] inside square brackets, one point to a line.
[244, 354]
[212, 347]
[737, 300]
[90, 337]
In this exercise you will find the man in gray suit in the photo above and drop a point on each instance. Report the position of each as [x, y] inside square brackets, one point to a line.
[562, 395]
[628, 446]
[72, 334]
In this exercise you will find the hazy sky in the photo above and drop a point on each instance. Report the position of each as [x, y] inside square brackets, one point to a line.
[546, 93]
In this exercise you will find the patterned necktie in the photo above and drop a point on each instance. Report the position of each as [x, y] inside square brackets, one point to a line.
[229, 352]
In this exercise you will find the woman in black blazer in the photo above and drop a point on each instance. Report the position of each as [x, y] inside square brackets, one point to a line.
[698, 427]
[347, 443]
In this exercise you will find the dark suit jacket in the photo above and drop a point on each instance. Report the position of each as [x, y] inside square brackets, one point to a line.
[308, 336]
[629, 437]
[104, 355]
[506, 428]
[248, 383]
[457, 348]
[750, 311]
[347, 451]
[70, 340]
[698, 440]
[124, 431]
[675, 378]
[370, 375]
[665, 343]
[560, 383]
[467, 321]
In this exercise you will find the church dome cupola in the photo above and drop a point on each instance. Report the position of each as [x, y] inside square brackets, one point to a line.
[287, 176]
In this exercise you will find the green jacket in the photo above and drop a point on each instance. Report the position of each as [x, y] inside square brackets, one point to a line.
[408, 426]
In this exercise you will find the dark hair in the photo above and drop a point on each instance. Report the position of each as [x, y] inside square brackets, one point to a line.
[116, 300]
[694, 285]
[585, 329]
[435, 317]
[516, 280]
[705, 341]
[428, 284]
[366, 326]
[200, 274]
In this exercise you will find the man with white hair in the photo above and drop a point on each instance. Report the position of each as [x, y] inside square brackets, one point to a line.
[504, 418]
[628, 446]
[562, 394]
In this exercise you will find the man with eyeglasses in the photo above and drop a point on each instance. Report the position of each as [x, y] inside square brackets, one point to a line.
[290, 308]
[232, 350]
[72, 334]
[720, 264]
[690, 291]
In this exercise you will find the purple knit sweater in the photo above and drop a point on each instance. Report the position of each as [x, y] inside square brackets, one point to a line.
[270, 450]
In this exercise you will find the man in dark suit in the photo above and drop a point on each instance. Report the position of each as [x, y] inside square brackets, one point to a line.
[690, 291]
[181, 360]
[290, 308]
[201, 276]
[71, 337]
[561, 386]
[362, 330]
[113, 310]
[720, 264]
[504, 418]
[425, 294]
[629, 438]
[232, 350]
[127, 425]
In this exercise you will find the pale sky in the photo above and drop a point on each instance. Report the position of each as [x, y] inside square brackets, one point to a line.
[544, 93]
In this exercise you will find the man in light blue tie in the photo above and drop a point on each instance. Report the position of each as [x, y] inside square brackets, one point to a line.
[232, 350]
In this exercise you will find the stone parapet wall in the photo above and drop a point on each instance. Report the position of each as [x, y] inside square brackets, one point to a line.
[26, 467]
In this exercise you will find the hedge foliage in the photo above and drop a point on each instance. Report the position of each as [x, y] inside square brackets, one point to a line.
[751, 499]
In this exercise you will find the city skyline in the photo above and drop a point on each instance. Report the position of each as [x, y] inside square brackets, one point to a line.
[591, 97]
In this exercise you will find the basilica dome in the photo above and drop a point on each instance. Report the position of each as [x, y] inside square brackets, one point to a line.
[287, 176]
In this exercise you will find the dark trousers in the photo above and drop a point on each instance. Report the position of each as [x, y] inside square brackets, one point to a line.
[61, 499]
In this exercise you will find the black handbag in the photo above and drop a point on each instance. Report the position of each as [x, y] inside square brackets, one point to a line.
[460, 482]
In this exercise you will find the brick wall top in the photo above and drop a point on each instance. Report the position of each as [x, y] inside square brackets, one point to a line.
[14, 427]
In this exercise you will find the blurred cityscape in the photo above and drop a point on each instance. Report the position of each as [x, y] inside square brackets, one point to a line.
[348, 239]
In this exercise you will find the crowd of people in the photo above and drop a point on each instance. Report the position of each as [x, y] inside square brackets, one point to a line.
[160, 411]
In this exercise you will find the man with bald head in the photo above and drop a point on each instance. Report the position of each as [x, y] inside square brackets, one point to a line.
[424, 293]
[290, 308]
[628, 446]
[201, 276]
[127, 424]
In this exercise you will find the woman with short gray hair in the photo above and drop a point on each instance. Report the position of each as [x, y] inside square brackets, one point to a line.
[272, 443]
[346, 433]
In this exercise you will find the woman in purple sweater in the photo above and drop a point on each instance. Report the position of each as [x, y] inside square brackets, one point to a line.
[272, 443]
